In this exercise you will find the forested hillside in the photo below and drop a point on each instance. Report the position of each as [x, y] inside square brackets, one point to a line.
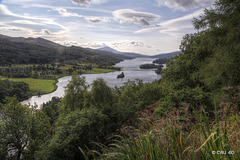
[41, 51]
[191, 113]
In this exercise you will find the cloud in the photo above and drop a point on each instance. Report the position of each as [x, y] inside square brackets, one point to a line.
[97, 19]
[70, 43]
[88, 2]
[174, 27]
[94, 45]
[97, 10]
[65, 13]
[31, 24]
[27, 22]
[130, 44]
[45, 31]
[130, 16]
[11, 28]
[185, 4]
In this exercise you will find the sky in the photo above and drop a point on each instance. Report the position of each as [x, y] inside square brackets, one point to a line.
[142, 26]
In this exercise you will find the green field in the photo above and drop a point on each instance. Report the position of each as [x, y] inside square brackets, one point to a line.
[37, 86]
[98, 70]
[43, 86]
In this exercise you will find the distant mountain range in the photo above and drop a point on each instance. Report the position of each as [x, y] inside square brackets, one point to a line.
[166, 55]
[137, 55]
[127, 54]
[19, 50]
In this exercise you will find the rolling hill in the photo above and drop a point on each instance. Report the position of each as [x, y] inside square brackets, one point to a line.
[19, 50]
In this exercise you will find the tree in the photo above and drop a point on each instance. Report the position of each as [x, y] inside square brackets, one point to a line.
[221, 25]
[75, 129]
[75, 93]
[16, 120]
[101, 94]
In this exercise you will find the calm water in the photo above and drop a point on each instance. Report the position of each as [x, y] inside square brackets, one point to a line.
[131, 71]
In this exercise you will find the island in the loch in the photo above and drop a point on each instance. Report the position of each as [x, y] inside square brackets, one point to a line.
[152, 66]
[121, 75]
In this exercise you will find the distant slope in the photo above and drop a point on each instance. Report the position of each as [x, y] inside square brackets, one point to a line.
[166, 55]
[19, 50]
[127, 54]
[108, 53]
[109, 49]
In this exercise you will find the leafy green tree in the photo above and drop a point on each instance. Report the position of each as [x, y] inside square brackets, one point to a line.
[101, 94]
[221, 25]
[51, 109]
[75, 129]
[16, 126]
[9, 89]
[39, 134]
[75, 93]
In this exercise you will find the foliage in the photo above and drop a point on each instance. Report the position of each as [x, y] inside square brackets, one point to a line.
[163, 60]
[121, 75]
[195, 97]
[51, 109]
[9, 89]
[22, 130]
[75, 93]
[148, 66]
[172, 141]
[37, 86]
[159, 69]
[75, 129]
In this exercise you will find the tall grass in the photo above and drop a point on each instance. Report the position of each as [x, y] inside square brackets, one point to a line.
[210, 139]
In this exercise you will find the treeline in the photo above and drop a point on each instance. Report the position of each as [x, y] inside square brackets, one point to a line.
[163, 60]
[48, 71]
[35, 71]
[10, 89]
[148, 66]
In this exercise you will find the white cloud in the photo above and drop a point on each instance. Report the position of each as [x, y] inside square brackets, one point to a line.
[93, 45]
[133, 17]
[27, 22]
[68, 7]
[97, 19]
[70, 43]
[175, 27]
[11, 28]
[88, 2]
[130, 44]
[45, 31]
[32, 24]
[185, 4]
[65, 13]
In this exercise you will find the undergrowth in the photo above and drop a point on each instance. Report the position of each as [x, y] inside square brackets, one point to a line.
[179, 136]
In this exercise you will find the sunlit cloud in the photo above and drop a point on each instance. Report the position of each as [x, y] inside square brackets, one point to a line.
[45, 31]
[33, 24]
[133, 17]
[97, 19]
[88, 2]
[174, 27]
[11, 28]
[185, 4]
[65, 13]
